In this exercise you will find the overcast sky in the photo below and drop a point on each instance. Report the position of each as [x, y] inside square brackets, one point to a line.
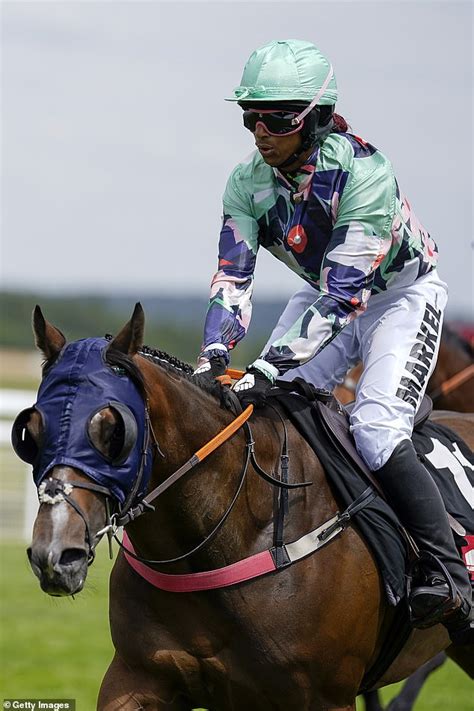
[117, 142]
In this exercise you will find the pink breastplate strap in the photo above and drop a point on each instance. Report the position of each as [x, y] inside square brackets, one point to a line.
[247, 568]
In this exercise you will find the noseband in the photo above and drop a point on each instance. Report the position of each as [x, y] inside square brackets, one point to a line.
[53, 491]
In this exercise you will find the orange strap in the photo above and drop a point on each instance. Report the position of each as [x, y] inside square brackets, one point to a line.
[235, 374]
[225, 434]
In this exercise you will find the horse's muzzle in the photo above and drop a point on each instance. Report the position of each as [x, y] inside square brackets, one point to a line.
[60, 571]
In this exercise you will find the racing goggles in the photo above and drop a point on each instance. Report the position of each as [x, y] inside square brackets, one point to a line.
[276, 123]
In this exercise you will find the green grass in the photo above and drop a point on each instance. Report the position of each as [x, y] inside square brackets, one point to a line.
[52, 647]
[447, 689]
[60, 648]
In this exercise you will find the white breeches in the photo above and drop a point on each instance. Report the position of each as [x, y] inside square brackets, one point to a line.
[397, 339]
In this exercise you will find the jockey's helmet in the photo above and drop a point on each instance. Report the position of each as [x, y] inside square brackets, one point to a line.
[289, 71]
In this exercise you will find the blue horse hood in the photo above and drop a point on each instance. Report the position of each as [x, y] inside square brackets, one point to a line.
[77, 386]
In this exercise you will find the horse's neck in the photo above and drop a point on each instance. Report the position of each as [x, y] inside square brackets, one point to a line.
[184, 418]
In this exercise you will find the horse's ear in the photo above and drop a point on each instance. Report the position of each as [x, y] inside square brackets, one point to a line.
[130, 338]
[48, 338]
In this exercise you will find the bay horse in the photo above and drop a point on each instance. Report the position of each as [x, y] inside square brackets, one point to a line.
[300, 639]
[451, 386]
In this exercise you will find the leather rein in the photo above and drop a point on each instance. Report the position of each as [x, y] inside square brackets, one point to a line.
[53, 490]
[240, 421]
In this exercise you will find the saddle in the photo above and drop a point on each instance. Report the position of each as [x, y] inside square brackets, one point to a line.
[335, 417]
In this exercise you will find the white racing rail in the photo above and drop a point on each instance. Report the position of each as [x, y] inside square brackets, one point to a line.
[11, 402]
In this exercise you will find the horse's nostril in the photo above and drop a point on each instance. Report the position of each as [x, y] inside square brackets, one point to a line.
[72, 555]
[29, 553]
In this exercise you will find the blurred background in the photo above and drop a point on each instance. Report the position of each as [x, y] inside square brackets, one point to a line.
[116, 146]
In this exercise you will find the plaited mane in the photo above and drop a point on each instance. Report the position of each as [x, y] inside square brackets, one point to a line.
[162, 359]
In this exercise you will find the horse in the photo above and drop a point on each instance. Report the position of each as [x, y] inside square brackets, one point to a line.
[300, 638]
[451, 386]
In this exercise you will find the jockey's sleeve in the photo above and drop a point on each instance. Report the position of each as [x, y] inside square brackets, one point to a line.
[230, 307]
[359, 243]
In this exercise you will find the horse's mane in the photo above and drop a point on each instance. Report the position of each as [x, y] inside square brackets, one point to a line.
[161, 359]
[453, 338]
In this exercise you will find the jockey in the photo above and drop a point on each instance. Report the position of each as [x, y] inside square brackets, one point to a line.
[326, 203]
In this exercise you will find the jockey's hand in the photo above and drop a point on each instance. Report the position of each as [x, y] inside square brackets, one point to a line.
[211, 369]
[253, 387]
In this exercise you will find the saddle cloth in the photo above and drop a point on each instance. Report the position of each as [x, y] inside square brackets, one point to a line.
[448, 459]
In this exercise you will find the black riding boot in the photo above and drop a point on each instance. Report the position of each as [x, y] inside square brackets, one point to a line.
[415, 498]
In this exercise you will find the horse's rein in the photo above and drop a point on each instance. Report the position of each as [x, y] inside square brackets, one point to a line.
[131, 513]
[453, 383]
[198, 457]
[241, 420]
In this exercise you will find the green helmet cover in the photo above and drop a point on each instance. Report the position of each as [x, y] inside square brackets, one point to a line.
[286, 70]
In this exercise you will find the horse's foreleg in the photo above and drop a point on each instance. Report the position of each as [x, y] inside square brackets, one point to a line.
[126, 689]
[405, 700]
[372, 701]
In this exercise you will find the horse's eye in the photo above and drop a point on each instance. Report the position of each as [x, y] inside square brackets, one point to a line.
[112, 431]
[27, 434]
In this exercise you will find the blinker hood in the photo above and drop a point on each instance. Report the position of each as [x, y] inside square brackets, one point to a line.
[76, 387]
